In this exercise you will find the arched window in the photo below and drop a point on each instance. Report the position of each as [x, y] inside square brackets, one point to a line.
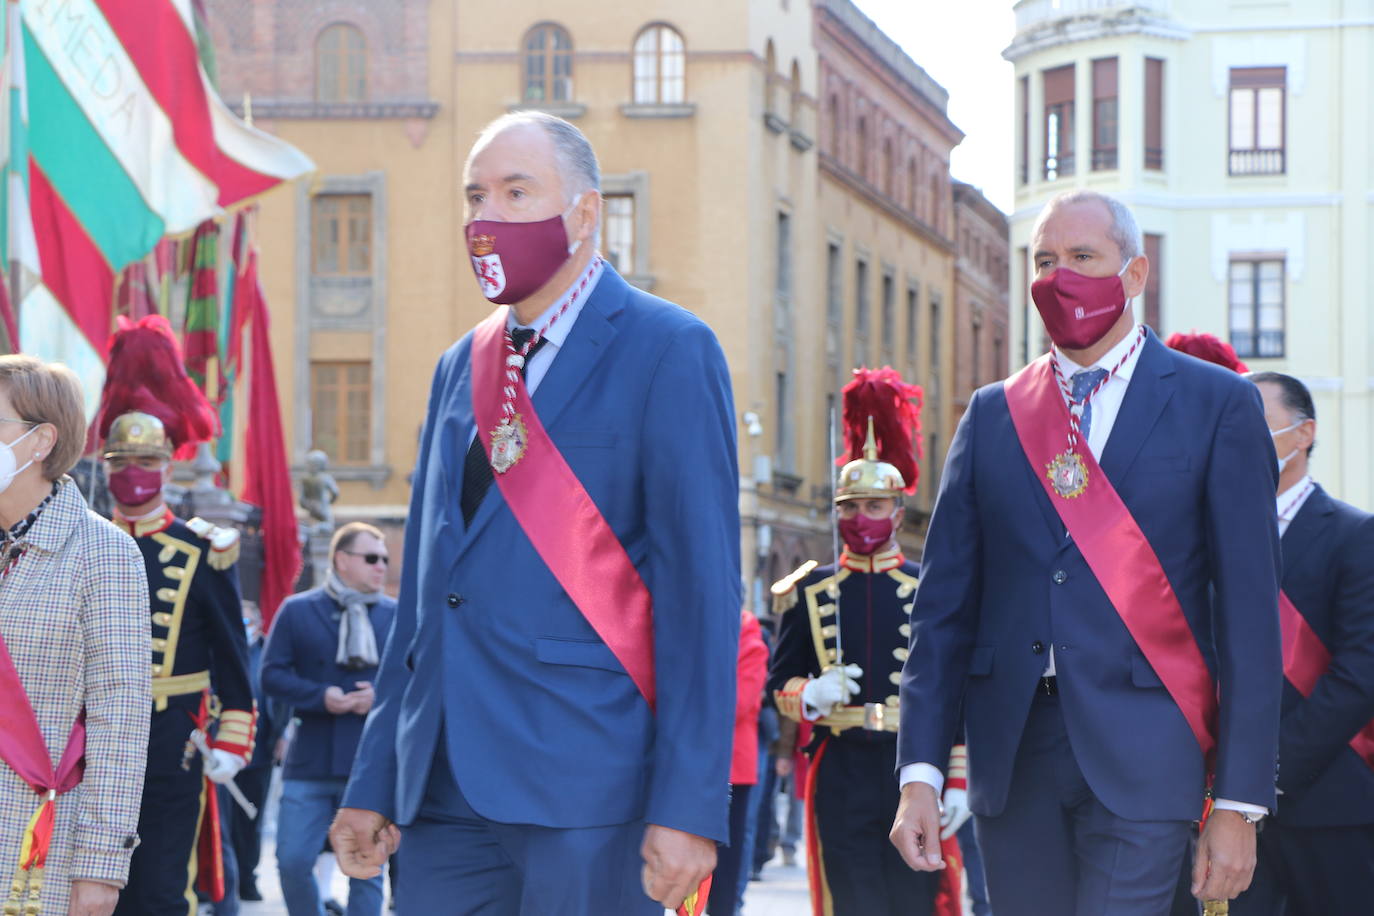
[911, 182]
[936, 199]
[770, 69]
[547, 71]
[889, 171]
[341, 64]
[863, 148]
[660, 67]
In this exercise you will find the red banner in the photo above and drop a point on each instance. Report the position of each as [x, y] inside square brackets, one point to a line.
[1115, 548]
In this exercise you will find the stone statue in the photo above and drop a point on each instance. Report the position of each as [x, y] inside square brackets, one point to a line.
[319, 490]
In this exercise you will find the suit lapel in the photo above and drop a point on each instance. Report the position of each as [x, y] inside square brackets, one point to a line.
[1305, 528]
[1146, 397]
[586, 345]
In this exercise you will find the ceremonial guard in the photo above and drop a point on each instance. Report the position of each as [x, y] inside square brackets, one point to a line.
[843, 636]
[204, 715]
[1316, 855]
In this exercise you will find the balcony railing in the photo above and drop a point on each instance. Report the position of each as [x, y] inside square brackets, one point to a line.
[1058, 167]
[1104, 159]
[1031, 13]
[1257, 162]
[1154, 159]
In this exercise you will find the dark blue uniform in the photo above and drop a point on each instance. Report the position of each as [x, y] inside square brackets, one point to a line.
[855, 794]
[198, 644]
[1316, 853]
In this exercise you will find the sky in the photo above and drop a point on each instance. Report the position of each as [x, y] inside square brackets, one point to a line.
[960, 45]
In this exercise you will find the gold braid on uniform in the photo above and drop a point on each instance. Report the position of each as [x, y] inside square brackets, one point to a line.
[788, 699]
[224, 543]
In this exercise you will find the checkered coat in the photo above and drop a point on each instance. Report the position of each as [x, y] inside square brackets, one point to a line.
[74, 615]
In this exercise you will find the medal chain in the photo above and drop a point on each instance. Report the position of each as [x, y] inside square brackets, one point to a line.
[1076, 408]
[515, 359]
[1283, 513]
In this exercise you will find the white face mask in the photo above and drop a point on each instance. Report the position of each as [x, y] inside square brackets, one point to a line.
[1283, 462]
[8, 471]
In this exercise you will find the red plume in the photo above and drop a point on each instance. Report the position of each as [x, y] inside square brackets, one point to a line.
[1208, 347]
[146, 373]
[895, 407]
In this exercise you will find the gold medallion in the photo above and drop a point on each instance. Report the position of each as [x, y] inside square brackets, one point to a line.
[1068, 474]
[508, 441]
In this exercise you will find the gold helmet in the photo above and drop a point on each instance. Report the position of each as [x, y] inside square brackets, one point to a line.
[867, 477]
[137, 434]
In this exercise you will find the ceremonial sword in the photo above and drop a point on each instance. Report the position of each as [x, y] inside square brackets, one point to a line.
[835, 553]
[198, 739]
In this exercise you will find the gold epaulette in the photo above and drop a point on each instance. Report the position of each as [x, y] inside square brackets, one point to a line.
[785, 589]
[224, 542]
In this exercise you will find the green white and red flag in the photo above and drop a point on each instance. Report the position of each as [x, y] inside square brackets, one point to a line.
[126, 142]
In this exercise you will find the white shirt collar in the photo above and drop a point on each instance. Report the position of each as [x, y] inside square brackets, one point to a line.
[1109, 359]
[558, 334]
[1287, 497]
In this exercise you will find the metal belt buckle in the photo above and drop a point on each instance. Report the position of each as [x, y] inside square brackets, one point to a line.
[873, 716]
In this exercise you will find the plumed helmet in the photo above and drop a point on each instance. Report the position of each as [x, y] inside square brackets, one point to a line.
[137, 434]
[1208, 347]
[882, 426]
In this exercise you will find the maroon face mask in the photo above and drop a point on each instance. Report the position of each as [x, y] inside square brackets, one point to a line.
[134, 486]
[864, 535]
[513, 260]
[1078, 311]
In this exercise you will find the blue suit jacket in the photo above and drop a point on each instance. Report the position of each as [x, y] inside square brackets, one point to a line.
[1328, 572]
[543, 725]
[298, 666]
[1192, 459]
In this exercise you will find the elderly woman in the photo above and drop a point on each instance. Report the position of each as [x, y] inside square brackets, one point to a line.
[74, 656]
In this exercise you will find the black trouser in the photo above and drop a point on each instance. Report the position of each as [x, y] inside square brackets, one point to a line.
[1310, 871]
[162, 872]
[245, 833]
[856, 801]
[730, 859]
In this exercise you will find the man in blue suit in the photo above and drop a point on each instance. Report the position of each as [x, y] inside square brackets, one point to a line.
[321, 661]
[513, 741]
[1107, 620]
[1316, 855]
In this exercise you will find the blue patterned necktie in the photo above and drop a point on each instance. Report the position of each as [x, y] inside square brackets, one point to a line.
[1084, 381]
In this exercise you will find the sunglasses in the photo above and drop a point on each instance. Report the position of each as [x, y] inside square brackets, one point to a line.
[371, 559]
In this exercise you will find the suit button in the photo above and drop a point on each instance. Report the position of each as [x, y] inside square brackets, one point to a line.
[1060, 577]
[1037, 647]
[455, 599]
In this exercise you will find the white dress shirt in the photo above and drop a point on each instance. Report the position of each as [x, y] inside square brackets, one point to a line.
[1106, 405]
[538, 365]
[1291, 501]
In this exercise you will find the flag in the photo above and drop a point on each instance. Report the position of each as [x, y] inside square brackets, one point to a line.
[231, 320]
[267, 476]
[132, 144]
[200, 336]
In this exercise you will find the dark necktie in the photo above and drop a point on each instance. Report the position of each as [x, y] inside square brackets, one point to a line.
[1084, 381]
[477, 473]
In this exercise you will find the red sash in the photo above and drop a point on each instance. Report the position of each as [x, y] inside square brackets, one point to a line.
[1305, 660]
[23, 748]
[1116, 550]
[558, 516]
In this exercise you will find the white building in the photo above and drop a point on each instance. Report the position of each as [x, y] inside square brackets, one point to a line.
[1239, 132]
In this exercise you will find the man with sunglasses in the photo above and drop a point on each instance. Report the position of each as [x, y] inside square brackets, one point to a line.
[321, 660]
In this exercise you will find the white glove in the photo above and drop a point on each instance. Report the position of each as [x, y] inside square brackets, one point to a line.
[222, 766]
[831, 689]
[954, 812]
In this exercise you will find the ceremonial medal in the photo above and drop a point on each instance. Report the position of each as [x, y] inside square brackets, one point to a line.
[1068, 474]
[508, 443]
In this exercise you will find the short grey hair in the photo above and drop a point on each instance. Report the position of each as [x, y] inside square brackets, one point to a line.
[577, 164]
[1125, 230]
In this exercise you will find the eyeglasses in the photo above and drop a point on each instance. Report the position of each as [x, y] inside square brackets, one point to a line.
[371, 559]
[17, 420]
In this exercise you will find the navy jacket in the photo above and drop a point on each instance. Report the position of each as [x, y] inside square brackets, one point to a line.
[1192, 459]
[543, 726]
[298, 666]
[1328, 572]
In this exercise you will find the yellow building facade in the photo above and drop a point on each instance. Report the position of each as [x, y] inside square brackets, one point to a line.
[718, 196]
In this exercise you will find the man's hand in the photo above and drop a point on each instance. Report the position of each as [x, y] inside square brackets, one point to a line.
[954, 812]
[1225, 860]
[362, 698]
[363, 841]
[337, 702]
[833, 688]
[675, 864]
[91, 898]
[223, 766]
[916, 831]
